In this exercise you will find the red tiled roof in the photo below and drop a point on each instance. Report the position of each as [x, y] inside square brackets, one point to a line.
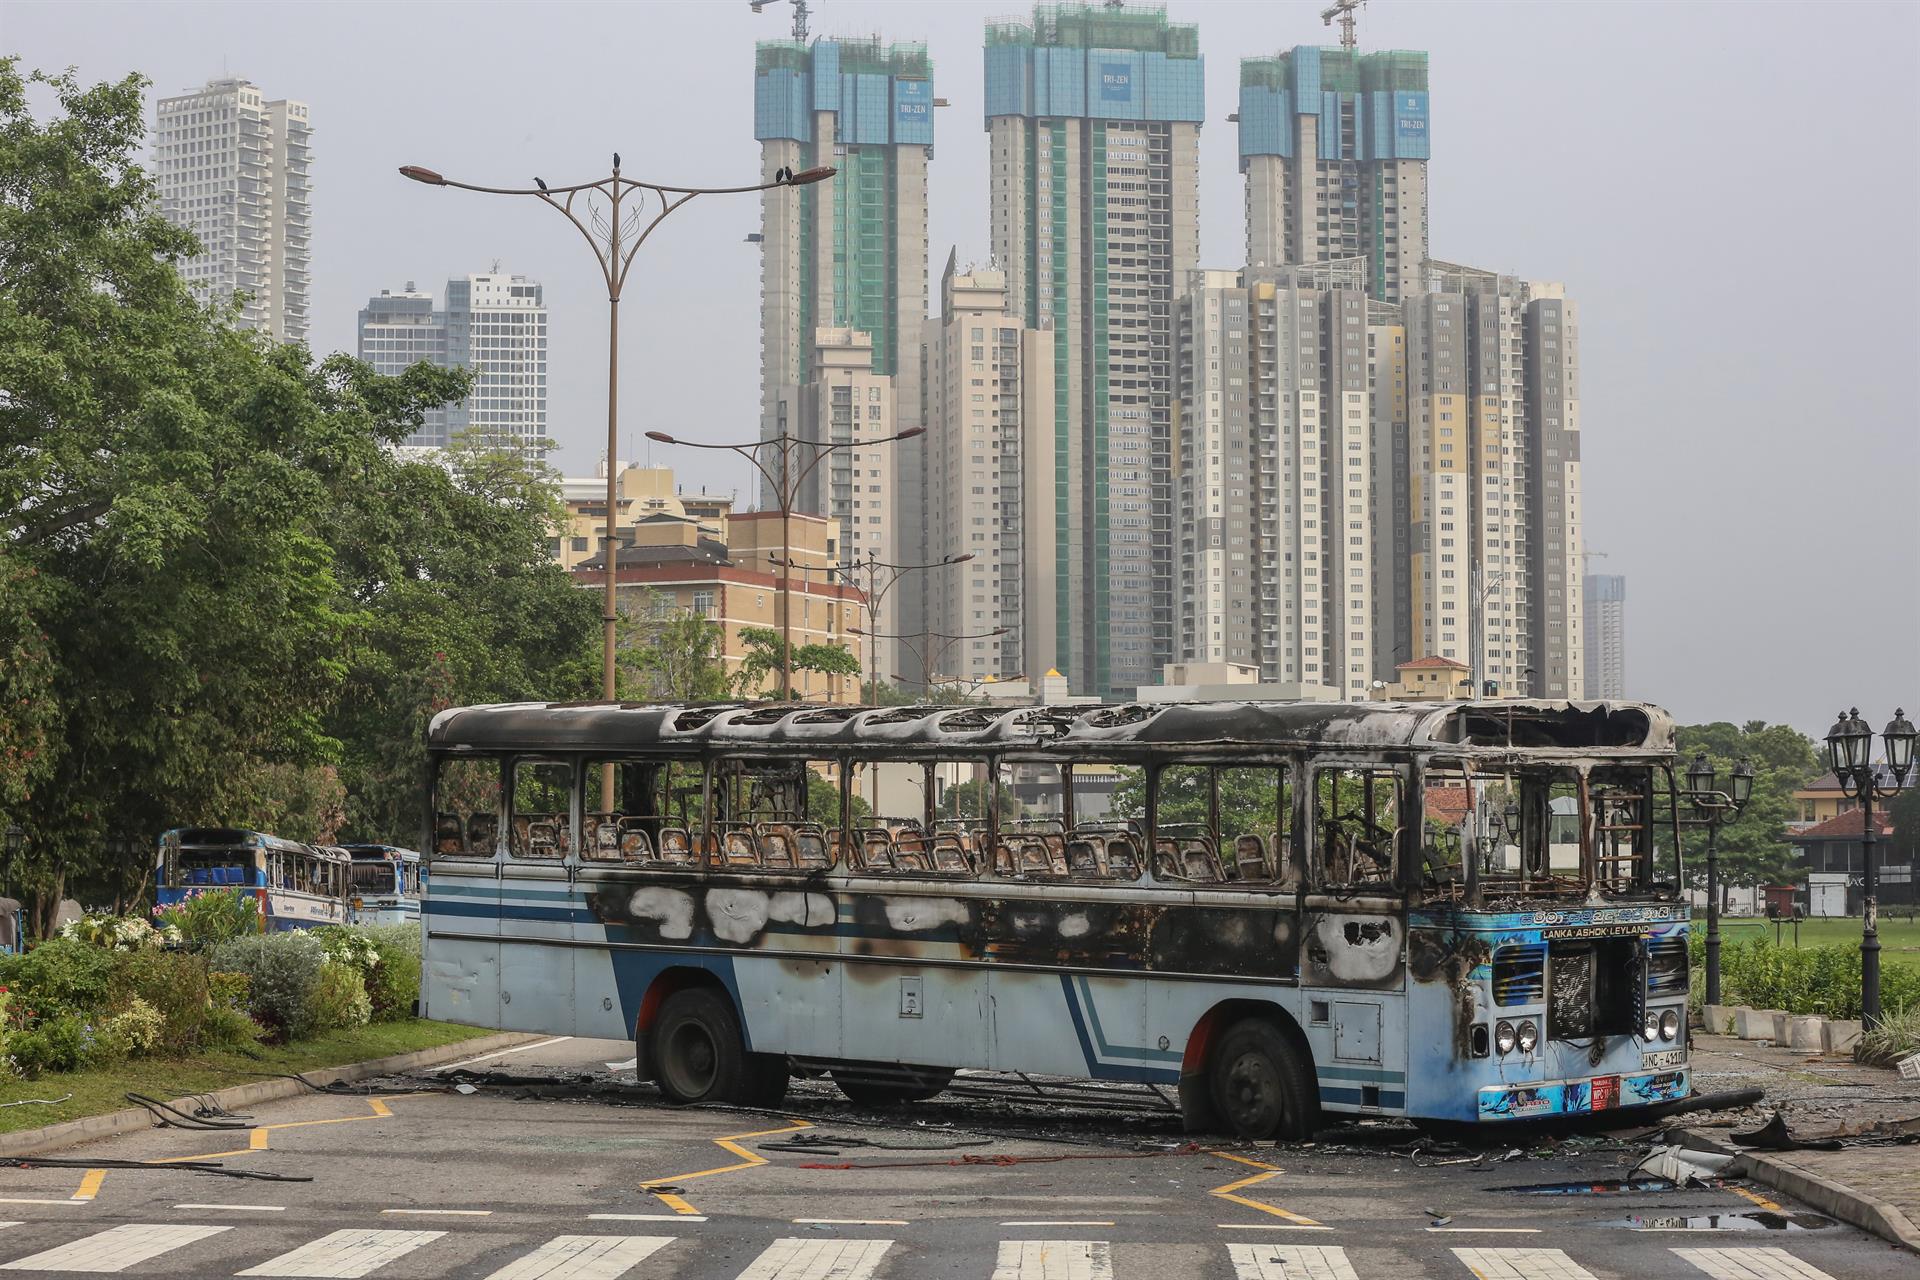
[1449, 804]
[1842, 826]
[1430, 661]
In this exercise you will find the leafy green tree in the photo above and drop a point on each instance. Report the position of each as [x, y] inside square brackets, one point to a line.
[967, 800]
[762, 662]
[1752, 847]
[670, 654]
[217, 581]
[823, 801]
[1905, 814]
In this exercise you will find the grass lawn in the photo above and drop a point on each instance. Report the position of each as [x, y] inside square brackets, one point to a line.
[105, 1089]
[1899, 936]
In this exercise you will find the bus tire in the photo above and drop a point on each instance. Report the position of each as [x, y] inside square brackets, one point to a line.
[1262, 1086]
[892, 1086]
[699, 1054]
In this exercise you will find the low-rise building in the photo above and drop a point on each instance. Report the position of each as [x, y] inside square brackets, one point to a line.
[1430, 679]
[1832, 864]
[641, 493]
[730, 573]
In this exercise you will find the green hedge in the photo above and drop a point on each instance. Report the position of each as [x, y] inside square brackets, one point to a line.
[1762, 974]
[102, 994]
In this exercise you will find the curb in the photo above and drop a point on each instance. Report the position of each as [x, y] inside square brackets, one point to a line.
[90, 1128]
[1836, 1199]
[1830, 1197]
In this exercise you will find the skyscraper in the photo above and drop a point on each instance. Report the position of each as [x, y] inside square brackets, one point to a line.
[1606, 635]
[1285, 445]
[1334, 145]
[234, 169]
[1093, 119]
[494, 325]
[1493, 480]
[850, 254]
[989, 490]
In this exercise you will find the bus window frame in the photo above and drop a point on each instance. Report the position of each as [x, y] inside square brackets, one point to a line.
[569, 850]
[1393, 885]
[1288, 769]
[438, 766]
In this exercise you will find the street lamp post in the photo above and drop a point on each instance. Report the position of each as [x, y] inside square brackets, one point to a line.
[1850, 756]
[615, 238]
[876, 591]
[1714, 809]
[926, 654]
[785, 486]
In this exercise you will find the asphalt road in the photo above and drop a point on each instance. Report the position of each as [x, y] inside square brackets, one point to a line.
[489, 1185]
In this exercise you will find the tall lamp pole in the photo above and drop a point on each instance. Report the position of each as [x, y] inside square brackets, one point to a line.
[1850, 756]
[785, 482]
[929, 655]
[615, 237]
[875, 591]
[1715, 809]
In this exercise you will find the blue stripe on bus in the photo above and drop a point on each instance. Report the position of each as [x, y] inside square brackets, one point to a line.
[1100, 1039]
[1097, 1069]
[496, 911]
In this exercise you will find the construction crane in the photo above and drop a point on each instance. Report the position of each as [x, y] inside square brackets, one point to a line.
[1344, 11]
[800, 13]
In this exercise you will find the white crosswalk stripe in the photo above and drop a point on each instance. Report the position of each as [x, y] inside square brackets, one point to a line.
[117, 1248]
[583, 1258]
[1054, 1260]
[1290, 1262]
[341, 1255]
[1752, 1264]
[792, 1259]
[1522, 1264]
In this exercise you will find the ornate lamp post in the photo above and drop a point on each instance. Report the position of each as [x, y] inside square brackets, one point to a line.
[1714, 809]
[784, 482]
[1850, 756]
[615, 238]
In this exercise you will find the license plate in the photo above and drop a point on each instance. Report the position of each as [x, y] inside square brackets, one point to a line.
[1664, 1058]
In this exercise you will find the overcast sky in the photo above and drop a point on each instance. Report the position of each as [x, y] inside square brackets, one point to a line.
[1727, 190]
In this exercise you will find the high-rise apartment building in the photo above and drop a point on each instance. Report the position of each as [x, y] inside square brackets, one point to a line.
[850, 253]
[1334, 146]
[1493, 480]
[1093, 119]
[1605, 622]
[1287, 417]
[494, 325]
[990, 484]
[399, 330]
[234, 169]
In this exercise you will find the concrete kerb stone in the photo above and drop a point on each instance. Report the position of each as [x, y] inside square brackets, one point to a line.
[1754, 1024]
[92, 1128]
[1835, 1199]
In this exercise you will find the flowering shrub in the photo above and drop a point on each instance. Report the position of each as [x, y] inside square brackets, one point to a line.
[133, 1031]
[209, 916]
[340, 999]
[283, 971]
[119, 933]
[349, 947]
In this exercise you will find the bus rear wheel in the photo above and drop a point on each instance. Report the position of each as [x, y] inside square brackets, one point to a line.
[700, 1055]
[1262, 1086]
[886, 1086]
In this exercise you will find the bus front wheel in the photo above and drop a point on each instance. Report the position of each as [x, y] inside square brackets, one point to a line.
[700, 1055]
[1262, 1086]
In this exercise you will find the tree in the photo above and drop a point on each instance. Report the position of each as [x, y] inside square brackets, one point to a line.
[764, 652]
[967, 800]
[1752, 848]
[217, 581]
[823, 801]
[669, 654]
[1904, 811]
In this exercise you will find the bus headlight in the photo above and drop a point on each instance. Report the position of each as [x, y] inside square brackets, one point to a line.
[1528, 1036]
[1650, 1026]
[1670, 1025]
[1503, 1037]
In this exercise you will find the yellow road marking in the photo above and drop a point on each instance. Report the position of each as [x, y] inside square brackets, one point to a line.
[730, 1143]
[90, 1184]
[1271, 1171]
[257, 1139]
[1756, 1197]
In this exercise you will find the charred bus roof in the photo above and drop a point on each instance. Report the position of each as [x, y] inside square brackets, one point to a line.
[1117, 732]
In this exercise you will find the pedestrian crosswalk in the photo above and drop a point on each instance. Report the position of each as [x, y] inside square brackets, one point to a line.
[349, 1253]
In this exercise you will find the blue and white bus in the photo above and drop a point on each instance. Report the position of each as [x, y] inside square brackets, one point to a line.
[384, 884]
[1464, 912]
[298, 886]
